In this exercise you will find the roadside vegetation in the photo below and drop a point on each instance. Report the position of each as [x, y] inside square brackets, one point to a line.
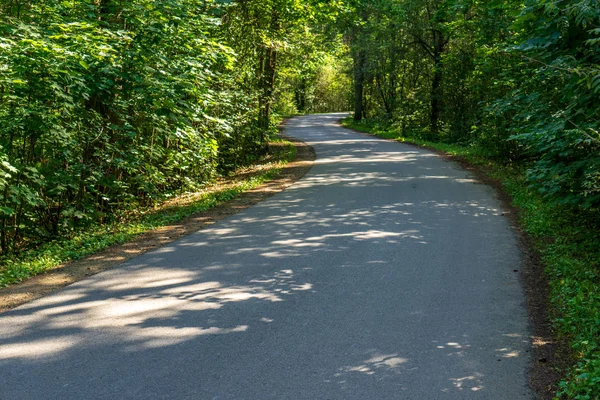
[131, 223]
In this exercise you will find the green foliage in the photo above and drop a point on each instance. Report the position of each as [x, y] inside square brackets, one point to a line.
[319, 84]
[557, 106]
[104, 107]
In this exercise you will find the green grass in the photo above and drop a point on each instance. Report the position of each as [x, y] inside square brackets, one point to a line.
[96, 238]
[568, 241]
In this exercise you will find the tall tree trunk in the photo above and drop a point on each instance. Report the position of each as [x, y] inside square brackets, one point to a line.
[268, 89]
[301, 96]
[387, 102]
[267, 83]
[436, 85]
[359, 85]
[3, 236]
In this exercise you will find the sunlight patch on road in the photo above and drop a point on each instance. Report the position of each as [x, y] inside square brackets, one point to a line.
[375, 362]
[38, 349]
[169, 336]
[141, 312]
[471, 382]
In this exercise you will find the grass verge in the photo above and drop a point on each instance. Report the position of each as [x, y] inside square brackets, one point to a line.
[568, 241]
[96, 238]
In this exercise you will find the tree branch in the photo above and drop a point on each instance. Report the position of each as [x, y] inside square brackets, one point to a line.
[423, 44]
[593, 139]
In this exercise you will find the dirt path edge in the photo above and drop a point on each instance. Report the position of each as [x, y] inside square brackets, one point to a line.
[42, 285]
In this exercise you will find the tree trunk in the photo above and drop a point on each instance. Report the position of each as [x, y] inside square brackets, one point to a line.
[267, 83]
[301, 96]
[359, 84]
[436, 85]
[268, 89]
[3, 235]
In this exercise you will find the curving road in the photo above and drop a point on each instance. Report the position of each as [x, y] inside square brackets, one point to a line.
[385, 273]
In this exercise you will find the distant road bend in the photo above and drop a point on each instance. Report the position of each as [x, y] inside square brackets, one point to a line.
[385, 273]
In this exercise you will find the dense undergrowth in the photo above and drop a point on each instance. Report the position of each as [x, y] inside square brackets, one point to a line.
[568, 240]
[131, 223]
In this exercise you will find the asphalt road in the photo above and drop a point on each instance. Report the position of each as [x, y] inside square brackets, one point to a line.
[385, 273]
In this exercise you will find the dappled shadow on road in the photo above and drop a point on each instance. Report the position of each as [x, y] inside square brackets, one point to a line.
[273, 276]
[144, 310]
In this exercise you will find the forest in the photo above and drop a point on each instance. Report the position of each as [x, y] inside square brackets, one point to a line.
[110, 105]
[519, 79]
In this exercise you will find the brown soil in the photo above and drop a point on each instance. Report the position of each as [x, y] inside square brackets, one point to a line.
[551, 357]
[74, 271]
